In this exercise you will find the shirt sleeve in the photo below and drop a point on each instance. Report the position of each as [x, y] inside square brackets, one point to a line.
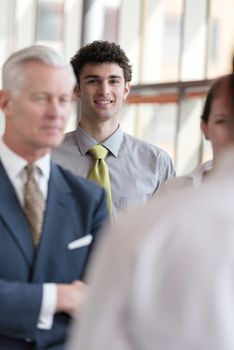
[48, 306]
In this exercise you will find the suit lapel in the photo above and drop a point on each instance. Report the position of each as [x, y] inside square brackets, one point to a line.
[13, 216]
[59, 196]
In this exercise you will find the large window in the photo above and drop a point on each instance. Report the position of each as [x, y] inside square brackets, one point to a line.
[221, 37]
[167, 41]
[175, 41]
[50, 23]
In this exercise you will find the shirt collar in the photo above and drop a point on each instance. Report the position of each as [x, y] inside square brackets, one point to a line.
[198, 173]
[112, 143]
[14, 164]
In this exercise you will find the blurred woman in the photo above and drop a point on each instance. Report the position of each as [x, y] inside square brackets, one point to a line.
[217, 124]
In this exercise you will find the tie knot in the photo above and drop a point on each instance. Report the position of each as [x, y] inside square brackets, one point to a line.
[98, 152]
[30, 170]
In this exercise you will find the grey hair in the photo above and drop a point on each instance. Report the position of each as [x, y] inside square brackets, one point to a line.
[13, 75]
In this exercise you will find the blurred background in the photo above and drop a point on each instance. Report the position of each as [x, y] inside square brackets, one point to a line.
[177, 48]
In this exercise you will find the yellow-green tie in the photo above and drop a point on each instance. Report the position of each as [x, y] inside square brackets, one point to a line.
[99, 172]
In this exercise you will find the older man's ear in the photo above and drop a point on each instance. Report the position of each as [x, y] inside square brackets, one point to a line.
[4, 100]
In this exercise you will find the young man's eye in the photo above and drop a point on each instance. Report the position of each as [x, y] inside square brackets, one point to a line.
[114, 81]
[221, 121]
[92, 81]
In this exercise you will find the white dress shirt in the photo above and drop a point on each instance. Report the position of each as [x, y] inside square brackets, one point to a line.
[192, 180]
[163, 277]
[14, 166]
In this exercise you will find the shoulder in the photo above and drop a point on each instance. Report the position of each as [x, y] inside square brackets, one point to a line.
[68, 141]
[174, 185]
[194, 179]
[148, 156]
[78, 184]
[139, 145]
[67, 152]
[132, 140]
[70, 137]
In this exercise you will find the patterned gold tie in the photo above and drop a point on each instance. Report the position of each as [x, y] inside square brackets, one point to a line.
[34, 204]
[100, 173]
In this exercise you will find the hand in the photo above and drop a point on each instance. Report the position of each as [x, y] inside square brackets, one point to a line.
[71, 297]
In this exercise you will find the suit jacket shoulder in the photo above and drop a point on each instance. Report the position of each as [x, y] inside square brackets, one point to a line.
[81, 185]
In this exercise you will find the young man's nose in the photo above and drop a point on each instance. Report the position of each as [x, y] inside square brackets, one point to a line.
[104, 88]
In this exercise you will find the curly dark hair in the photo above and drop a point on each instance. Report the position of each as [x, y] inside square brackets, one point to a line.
[213, 93]
[101, 52]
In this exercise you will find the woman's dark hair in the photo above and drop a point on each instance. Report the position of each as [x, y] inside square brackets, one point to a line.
[212, 94]
[99, 52]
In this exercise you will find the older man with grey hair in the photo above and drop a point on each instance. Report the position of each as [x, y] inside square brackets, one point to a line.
[49, 218]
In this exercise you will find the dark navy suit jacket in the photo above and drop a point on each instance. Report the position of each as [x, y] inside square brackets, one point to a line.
[75, 208]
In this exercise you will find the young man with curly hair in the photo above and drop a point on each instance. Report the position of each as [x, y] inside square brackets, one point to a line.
[136, 168]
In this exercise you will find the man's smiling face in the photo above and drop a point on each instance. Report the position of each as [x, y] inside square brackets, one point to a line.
[102, 90]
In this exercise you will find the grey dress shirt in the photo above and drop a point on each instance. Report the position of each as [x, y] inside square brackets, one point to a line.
[137, 169]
